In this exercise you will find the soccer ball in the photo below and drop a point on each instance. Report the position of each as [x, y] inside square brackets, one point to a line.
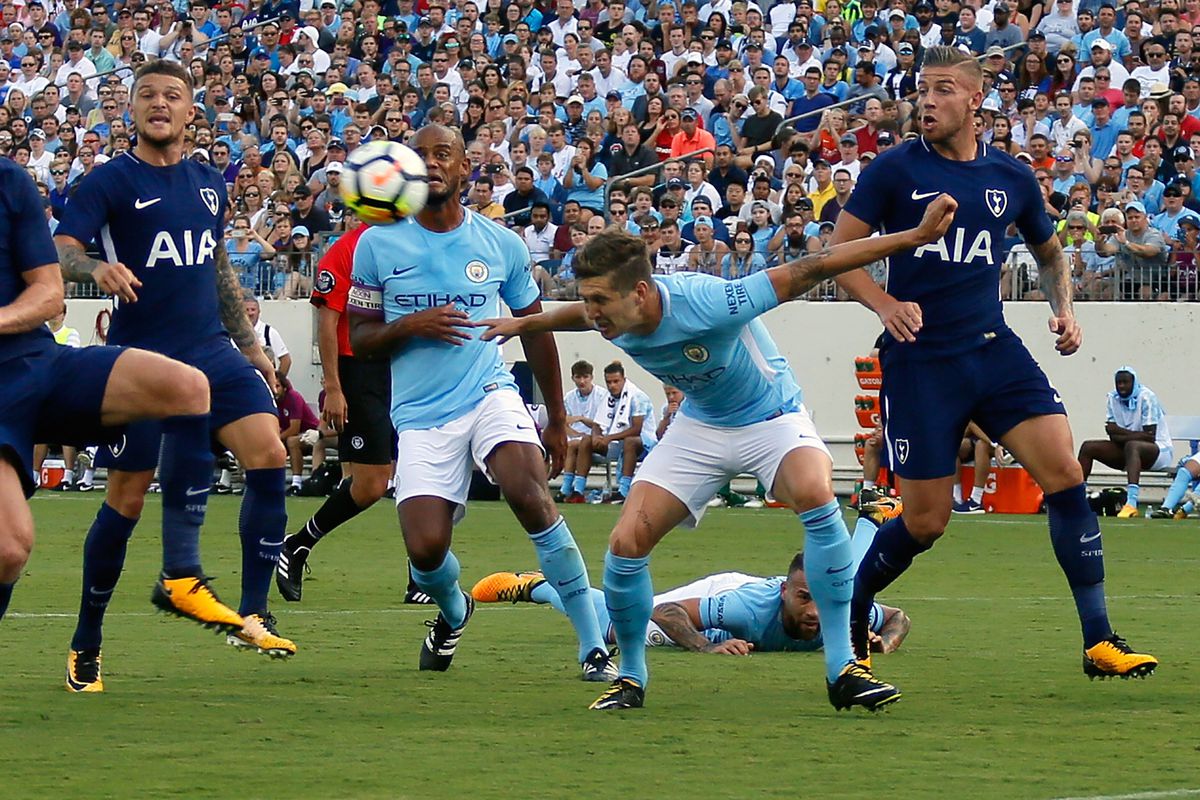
[383, 182]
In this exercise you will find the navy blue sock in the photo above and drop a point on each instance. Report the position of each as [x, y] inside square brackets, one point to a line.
[5, 596]
[886, 559]
[1075, 535]
[103, 559]
[262, 525]
[184, 472]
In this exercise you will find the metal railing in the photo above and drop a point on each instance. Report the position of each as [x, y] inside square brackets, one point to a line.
[1105, 278]
[649, 168]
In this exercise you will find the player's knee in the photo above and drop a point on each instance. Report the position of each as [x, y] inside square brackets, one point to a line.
[126, 496]
[188, 391]
[927, 526]
[624, 542]
[368, 486]
[271, 456]
[15, 546]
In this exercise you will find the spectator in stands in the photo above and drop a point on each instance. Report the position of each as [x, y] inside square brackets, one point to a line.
[1138, 438]
[671, 256]
[706, 254]
[584, 180]
[1091, 273]
[539, 234]
[248, 251]
[843, 186]
[524, 197]
[1141, 253]
[743, 259]
[268, 336]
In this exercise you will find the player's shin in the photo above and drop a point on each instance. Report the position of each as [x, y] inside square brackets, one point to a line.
[564, 569]
[337, 509]
[103, 559]
[1179, 487]
[1075, 535]
[829, 568]
[262, 525]
[886, 559]
[186, 468]
[629, 598]
[441, 583]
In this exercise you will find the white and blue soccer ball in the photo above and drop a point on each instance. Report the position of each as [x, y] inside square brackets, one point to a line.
[383, 182]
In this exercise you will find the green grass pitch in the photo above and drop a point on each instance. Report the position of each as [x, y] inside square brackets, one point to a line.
[995, 702]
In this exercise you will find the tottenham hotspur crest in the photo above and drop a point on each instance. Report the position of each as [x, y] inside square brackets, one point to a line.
[210, 198]
[902, 450]
[997, 201]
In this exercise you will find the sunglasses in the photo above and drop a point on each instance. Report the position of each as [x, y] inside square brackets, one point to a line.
[1064, 159]
[57, 171]
[741, 240]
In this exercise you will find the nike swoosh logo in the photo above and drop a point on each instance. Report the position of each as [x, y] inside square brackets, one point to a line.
[922, 195]
[832, 571]
[196, 492]
[139, 204]
[1086, 539]
[100, 592]
[265, 543]
[564, 583]
[402, 270]
[524, 427]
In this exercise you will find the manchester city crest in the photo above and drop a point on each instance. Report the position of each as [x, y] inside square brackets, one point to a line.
[695, 353]
[477, 271]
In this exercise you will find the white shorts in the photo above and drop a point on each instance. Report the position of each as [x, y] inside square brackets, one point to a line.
[1166, 458]
[708, 586]
[694, 460]
[438, 461]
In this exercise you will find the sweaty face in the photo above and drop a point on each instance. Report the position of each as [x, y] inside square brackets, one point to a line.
[799, 612]
[445, 162]
[610, 311]
[162, 109]
[948, 98]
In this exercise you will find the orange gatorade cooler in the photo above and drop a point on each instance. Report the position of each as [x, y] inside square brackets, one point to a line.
[868, 373]
[52, 473]
[866, 410]
[1009, 490]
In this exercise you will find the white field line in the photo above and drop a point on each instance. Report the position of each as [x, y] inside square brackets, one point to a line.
[1158, 795]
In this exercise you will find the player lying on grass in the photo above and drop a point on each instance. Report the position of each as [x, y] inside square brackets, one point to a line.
[728, 613]
[743, 414]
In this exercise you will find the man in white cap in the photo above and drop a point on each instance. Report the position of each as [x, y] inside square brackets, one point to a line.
[1102, 57]
[306, 41]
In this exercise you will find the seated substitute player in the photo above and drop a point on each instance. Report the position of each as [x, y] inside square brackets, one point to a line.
[1180, 500]
[1138, 438]
[626, 429]
[417, 286]
[975, 449]
[84, 395]
[357, 394]
[728, 613]
[583, 404]
[743, 413]
[159, 219]
[295, 419]
[948, 356]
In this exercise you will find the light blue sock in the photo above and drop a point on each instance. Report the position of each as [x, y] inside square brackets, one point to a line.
[544, 594]
[623, 484]
[564, 570]
[864, 534]
[629, 597]
[829, 567]
[1133, 490]
[442, 585]
[580, 484]
[568, 480]
[1179, 487]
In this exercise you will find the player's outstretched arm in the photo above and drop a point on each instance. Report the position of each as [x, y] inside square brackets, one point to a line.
[1055, 275]
[901, 319]
[40, 300]
[114, 279]
[681, 621]
[566, 317]
[795, 278]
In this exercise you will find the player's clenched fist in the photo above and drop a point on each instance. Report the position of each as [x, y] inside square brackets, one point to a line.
[1070, 335]
[117, 280]
[442, 324]
[938, 216]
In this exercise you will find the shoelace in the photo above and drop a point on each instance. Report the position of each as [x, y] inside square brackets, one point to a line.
[87, 671]
[202, 583]
[1120, 644]
[268, 622]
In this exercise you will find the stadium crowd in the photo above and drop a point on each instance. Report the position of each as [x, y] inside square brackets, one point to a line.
[571, 111]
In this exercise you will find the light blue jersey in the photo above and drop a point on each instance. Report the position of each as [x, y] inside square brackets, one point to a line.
[403, 268]
[753, 612]
[711, 344]
[588, 406]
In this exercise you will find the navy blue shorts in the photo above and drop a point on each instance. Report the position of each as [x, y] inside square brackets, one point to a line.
[927, 402]
[238, 391]
[53, 396]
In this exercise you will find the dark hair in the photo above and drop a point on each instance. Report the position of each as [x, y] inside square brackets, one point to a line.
[619, 255]
[797, 564]
[615, 368]
[171, 69]
[581, 367]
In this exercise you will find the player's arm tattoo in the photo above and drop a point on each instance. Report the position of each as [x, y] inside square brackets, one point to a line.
[231, 300]
[896, 626]
[676, 623]
[75, 264]
[1055, 275]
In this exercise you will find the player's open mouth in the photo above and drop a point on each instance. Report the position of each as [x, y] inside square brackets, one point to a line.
[158, 119]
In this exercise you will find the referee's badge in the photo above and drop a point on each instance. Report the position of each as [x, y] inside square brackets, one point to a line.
[477, 271]
[210, 198]
[997, 201]
[324, 282]
[695, 353]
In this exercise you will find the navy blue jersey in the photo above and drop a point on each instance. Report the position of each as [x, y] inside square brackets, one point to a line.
[955, 280]
[163, 223]
[25, 244]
